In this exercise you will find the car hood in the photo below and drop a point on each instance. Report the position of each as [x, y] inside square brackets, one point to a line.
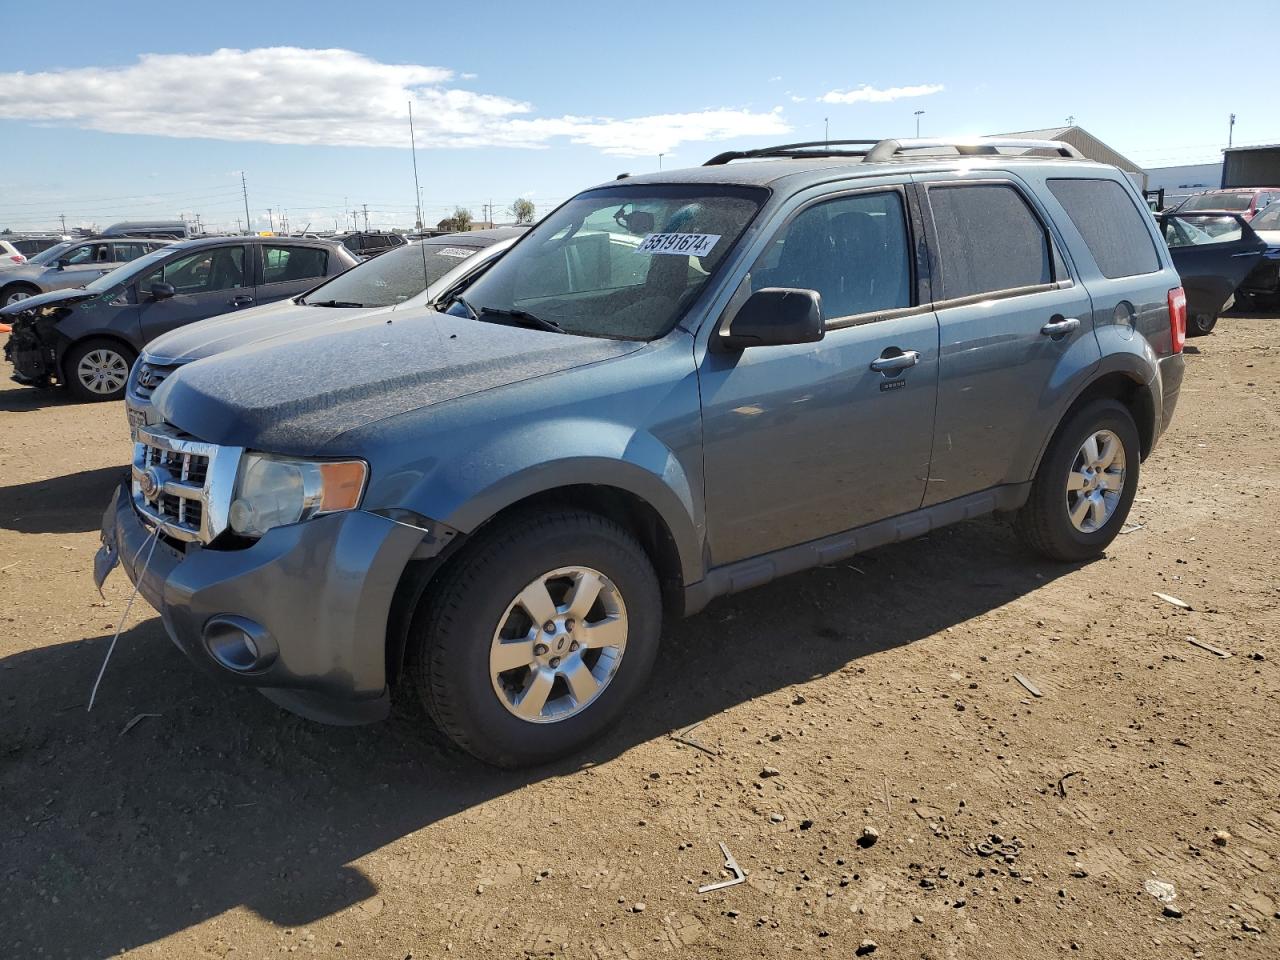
[54, 298]
[207, 337]
[296, 392]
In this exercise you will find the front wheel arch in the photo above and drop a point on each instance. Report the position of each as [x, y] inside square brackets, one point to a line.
[635, 515]
[16, 287]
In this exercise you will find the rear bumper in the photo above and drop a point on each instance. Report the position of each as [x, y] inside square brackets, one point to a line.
[315, 597]
[1171, 371]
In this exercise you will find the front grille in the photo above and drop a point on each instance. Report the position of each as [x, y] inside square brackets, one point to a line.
[183, 485]
[149, 376]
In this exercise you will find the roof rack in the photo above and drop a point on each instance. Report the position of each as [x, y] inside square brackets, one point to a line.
[877, 151]
[795, 151]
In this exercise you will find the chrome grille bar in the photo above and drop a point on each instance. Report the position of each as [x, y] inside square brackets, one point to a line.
[183, 485]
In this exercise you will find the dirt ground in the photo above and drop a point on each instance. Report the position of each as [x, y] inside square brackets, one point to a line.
[187, 819]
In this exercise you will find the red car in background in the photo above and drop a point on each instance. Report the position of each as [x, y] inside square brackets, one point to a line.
[1246, 201]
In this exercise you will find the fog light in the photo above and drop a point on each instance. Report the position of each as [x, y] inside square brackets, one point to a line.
[239, 644]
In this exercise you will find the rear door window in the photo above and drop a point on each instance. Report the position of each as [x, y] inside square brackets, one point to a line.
[281, 264]
[1111, 224]
[989, 239]
[852, 250]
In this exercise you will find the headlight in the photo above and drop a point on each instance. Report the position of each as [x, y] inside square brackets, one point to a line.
[274, 491]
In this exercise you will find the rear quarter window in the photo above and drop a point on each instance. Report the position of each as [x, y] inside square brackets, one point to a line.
[1111, 224]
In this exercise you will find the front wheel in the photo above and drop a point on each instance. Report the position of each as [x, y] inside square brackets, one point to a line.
[17, 292]
[537, 636]
[97, 370]
[1084, 488]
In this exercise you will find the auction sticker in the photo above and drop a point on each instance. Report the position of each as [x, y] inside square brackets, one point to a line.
[458, 253]
[687, 244]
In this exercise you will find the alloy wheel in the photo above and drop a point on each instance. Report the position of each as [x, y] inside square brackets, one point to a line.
[1096, 481]
[558, 645]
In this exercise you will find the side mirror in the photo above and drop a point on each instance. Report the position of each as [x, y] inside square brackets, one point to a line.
[774, 317]
[162, 291]
[60, 264]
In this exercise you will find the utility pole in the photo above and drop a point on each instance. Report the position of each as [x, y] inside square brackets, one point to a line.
[271, 220]
[826, 131]
[365, 207]
[244, 190]
[660, 156]
[413, 148]
[63, 216]
[919, 113]
[238, 230]
[1231, 131]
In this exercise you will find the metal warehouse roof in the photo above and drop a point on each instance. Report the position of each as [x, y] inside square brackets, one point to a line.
[1086, 143]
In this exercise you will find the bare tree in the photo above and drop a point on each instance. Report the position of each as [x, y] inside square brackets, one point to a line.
[522, 210]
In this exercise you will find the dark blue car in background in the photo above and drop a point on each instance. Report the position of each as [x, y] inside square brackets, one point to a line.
[87, 338]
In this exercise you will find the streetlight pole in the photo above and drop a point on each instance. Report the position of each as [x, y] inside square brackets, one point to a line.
[1231, 131]
[660, 156]
[413, 147]
[919, 113]
[826, 131]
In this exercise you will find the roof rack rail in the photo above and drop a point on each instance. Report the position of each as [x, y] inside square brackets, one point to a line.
[796, 151]
[876, 151]
[979, 146]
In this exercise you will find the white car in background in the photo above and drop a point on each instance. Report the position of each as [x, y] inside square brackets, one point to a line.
[409, 277]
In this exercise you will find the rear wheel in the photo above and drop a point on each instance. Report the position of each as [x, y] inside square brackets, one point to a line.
[537, 636]
[1084, 488]
[98, 370]
[1201, 324]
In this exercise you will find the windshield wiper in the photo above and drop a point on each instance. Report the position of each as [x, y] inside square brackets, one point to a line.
[332, 303]
[520, 318]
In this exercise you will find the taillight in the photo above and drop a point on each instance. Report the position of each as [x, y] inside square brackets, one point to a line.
[18, 258]
[1178, 318]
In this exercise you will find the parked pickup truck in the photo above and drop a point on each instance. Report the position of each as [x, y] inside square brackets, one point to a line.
[674, 387]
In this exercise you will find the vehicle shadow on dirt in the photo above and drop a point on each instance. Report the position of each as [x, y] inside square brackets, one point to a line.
[121, 835]
[73, 503]
[26, 399]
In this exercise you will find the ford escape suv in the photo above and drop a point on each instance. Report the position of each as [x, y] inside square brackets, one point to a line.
[674, 387]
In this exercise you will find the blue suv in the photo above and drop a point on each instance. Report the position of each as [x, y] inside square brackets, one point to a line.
[674, 387]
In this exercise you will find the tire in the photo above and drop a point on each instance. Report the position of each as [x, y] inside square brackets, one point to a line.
[97, 370]
[1045, 522]
[479, 594]
[1201, 324]
[16, 292]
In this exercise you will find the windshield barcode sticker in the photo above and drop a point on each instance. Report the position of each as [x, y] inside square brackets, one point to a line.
[460, 253]
[686, 244]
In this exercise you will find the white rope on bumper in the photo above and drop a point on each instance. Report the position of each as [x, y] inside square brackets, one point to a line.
[124, 616]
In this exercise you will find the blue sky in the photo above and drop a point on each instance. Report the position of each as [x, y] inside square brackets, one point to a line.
[135, 113]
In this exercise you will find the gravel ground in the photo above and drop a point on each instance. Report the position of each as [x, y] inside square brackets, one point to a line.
[875, 695]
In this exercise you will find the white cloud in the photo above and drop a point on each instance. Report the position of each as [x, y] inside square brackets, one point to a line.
[290, 95]
[795, 99]
[870, 94]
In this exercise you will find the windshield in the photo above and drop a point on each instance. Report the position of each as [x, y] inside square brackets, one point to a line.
[621, 262]
[1268, 219]
[394, 277]
[52, 254]
[1218, 201]
[122, 275]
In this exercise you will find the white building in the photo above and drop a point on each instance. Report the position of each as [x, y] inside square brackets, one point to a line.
[1181, 182]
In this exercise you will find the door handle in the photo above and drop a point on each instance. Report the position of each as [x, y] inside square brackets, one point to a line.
[241, 301]
[897, 361]
[1056, 328]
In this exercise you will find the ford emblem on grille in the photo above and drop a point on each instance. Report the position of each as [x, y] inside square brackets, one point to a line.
[151, 483]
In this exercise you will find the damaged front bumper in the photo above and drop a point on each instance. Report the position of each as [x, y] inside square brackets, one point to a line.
[35, 362]
[301, 614]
